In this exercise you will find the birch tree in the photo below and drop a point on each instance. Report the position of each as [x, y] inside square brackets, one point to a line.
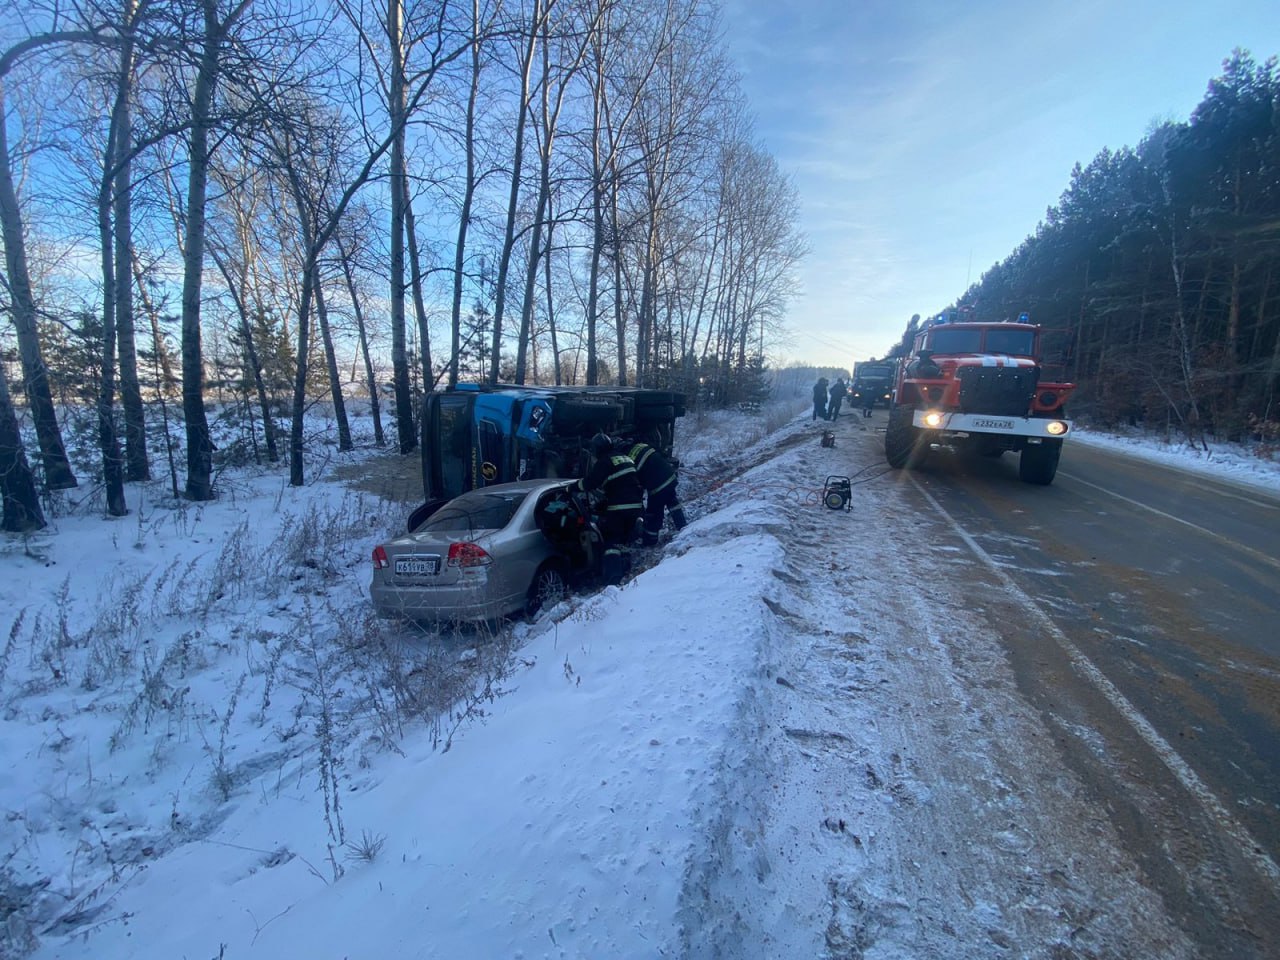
[53, 455]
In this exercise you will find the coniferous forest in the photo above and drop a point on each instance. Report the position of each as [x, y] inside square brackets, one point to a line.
[1157, 273]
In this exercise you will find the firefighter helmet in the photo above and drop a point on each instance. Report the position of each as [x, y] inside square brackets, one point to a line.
[601, 444]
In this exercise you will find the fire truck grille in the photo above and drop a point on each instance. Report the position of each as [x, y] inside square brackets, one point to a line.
[1004, 391]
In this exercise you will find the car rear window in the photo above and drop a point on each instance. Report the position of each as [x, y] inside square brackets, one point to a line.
[474, 511]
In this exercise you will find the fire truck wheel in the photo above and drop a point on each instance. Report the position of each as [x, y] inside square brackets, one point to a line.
[1039, 462]
[901, 439]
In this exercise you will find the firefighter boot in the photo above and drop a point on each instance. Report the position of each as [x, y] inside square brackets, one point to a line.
[678, 519]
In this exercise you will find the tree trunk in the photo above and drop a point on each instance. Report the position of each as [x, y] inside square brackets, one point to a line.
[165, 378]
[137, 462]
[419, 303]
[108, 441]
[22, 511]
[619, 321]
[375, 407]
[298, 410]
[331, 360]
[199, 485]
[468, 197]
[399, 355]
[53, 455]
[597, 247]
[238, 286]
[513, 198]
[551, 316]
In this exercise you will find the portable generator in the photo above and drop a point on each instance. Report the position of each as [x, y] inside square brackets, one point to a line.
[837, 492]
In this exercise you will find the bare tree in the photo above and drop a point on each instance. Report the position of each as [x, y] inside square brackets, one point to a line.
[348, 273]
[576, 40]
[22, 511]
[108, 441]
[468, 194]
[53, 456]
[137, 463]
[528, 33]
[626, 49]
[398, 113]
[238, 271]
[216, 28]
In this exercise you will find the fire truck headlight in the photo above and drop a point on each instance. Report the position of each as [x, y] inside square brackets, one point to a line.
[933, 419]
[1055, 428]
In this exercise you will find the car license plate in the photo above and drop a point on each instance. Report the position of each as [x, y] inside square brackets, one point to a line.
[417, 566]
[994, 424]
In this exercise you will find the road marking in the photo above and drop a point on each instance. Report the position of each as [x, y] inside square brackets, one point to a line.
[1249, 847]
[1227, 541]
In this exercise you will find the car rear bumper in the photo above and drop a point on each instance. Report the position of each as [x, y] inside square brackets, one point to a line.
[441, 604]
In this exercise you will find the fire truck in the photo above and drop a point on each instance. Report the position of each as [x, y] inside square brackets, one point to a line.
[979, 388]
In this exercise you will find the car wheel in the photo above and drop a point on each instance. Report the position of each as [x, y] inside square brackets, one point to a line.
[548, 588]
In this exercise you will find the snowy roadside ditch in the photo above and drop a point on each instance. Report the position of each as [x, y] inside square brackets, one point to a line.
[272, 780]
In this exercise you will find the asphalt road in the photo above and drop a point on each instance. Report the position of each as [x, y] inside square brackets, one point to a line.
[1140, 607]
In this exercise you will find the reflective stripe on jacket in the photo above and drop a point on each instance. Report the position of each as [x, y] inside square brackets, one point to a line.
[654, 470]
[615, 476]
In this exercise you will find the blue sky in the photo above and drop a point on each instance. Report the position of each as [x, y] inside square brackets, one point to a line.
[928, 137]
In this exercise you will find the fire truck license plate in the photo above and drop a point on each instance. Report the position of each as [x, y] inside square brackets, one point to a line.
[417, 566]
[994, 424]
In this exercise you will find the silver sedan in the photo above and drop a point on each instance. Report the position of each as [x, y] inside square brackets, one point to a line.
[492, 552]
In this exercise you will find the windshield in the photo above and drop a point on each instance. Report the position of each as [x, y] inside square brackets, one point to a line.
[474, 511]
[1014, 341]
[878, 371]
[955, 340]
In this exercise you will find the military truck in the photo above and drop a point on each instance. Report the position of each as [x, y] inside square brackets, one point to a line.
[872, 384]
[979, 388]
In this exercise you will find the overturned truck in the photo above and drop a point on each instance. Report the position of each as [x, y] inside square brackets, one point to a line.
[978, 388]
[477, 435]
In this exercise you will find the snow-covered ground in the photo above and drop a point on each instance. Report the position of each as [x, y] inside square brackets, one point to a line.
[756, 748]
[1241, 463]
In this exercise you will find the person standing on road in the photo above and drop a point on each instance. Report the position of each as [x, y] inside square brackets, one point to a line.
[658, 477]
[820, 399]
[838, 392]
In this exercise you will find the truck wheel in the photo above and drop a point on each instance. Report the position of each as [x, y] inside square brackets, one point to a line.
[901, 439]
[1039, 462]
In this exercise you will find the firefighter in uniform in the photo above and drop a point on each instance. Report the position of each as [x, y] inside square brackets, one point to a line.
[613, 476]
[659, 480]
